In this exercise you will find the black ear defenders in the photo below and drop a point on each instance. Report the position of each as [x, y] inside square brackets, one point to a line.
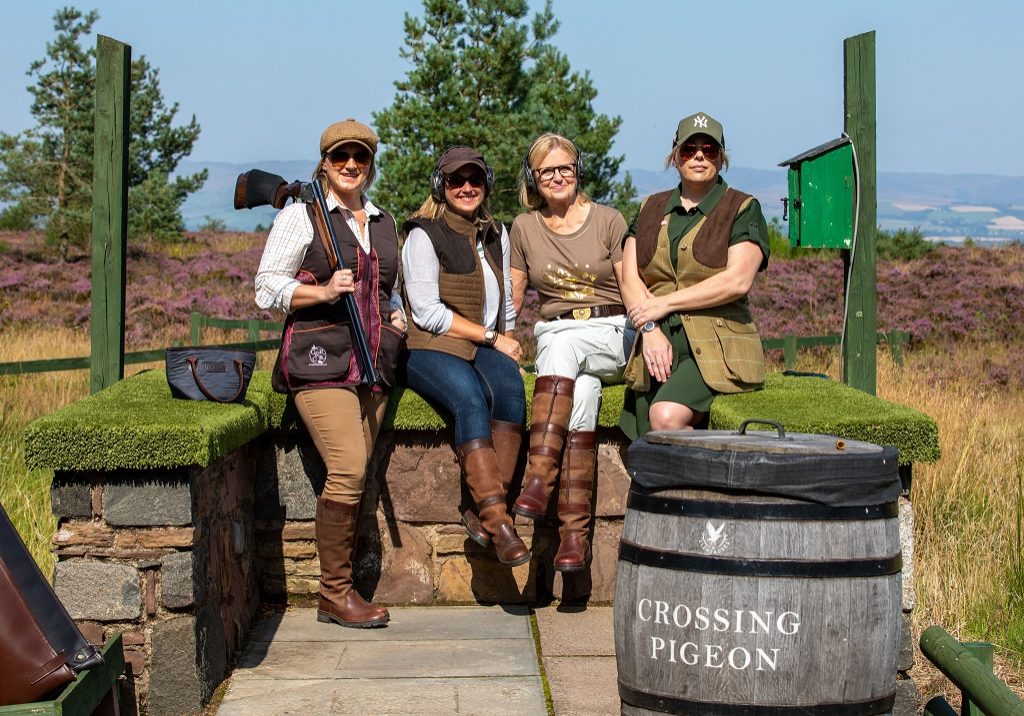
[437, 177]
[531, 180]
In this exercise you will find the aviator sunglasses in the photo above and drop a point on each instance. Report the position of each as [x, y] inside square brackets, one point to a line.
[340, 157]
[689, 151]
[457, 181]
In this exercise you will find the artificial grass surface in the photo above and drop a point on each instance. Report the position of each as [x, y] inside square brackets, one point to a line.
[814, 405]
[137, 424]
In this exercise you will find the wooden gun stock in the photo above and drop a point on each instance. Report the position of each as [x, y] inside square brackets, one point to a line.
[259, 188]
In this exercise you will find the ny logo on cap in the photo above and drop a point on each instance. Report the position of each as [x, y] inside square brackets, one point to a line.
[700, 121]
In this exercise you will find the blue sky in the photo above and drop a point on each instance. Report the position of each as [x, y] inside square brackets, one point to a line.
[772, 72]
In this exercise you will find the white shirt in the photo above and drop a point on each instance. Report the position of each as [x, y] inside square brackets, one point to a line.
[422, 271]
[286, 247]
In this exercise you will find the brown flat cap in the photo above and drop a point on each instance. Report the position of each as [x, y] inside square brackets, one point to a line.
[455, 157]
[348, 130]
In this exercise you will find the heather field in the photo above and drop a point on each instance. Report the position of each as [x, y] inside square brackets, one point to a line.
[964, 367]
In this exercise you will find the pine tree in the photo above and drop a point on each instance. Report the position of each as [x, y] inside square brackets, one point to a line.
[46, 171]
[481, 75]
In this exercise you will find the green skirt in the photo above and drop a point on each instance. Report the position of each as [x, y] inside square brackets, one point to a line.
[684, 386]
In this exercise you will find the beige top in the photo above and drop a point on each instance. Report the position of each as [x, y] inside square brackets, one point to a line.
[570, 270]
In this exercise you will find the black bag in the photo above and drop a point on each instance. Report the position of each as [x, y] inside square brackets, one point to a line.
[215, 374]
[42, 647]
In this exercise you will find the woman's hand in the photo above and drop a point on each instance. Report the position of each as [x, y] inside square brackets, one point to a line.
[649, 308]
[341, 282]
[398, 320]
[657, 354]
[509, 346]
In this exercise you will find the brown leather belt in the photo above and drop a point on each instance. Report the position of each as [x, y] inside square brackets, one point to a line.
[582, 314]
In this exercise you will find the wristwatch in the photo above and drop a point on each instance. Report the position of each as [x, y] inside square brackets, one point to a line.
[648, 327]
[490, 337]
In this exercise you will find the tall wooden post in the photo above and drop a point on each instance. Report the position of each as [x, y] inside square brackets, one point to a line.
[860, 365]
[110, 211]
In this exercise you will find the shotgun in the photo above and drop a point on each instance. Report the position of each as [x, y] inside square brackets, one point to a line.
[259, 188]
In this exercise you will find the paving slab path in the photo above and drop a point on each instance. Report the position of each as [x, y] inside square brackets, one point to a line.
[429, 661]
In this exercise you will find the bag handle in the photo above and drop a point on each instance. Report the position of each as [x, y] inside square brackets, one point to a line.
[210, 396]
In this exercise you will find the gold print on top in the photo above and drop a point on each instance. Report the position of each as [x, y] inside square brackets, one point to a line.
[571, 282]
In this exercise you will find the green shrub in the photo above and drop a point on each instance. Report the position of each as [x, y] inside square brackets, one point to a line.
[902, 244]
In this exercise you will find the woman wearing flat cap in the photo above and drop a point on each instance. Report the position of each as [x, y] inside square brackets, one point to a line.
[688, 262]
[569, 249]
[462, 355]
[317, 364]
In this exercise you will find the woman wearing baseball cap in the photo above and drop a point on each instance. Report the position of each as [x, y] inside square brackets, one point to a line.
[317, 364]
[689, 260]
[462, 355]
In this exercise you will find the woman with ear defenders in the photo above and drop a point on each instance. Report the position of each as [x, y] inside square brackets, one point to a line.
[570, 250]
[462, 355]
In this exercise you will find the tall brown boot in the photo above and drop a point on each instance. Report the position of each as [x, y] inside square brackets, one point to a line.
[507, 438]
[335, 545]
[575, 496]
[552, 403]
[483, 478]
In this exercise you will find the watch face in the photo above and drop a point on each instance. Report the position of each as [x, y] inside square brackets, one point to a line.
[648, 327]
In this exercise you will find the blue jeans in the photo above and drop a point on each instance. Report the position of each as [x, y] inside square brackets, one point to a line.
[472, 392]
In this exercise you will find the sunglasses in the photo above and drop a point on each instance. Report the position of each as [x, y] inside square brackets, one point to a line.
[340, 157]
[566, 171]
[689, 151]
[457, 181]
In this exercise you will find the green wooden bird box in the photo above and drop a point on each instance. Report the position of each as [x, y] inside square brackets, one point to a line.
[820, 203]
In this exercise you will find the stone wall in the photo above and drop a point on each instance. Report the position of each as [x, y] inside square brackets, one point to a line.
[167, 558]
[413, 550]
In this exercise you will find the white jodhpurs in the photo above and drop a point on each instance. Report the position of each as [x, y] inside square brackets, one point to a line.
[591, 352]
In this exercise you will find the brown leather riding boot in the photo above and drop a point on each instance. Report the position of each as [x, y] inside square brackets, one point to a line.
[507, 438]
[552, 403]
[483, 478]
[577, 483]
[335, 545]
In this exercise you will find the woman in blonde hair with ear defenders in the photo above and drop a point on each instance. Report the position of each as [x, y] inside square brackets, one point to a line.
[569, 249]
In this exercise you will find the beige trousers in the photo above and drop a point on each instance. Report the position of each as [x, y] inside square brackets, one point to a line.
[331, 416]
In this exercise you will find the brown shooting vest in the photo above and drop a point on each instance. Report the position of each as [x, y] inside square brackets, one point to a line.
[723, 339]
[316, 346]
[461, 280]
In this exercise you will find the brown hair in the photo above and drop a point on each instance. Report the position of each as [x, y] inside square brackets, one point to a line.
[543, 145]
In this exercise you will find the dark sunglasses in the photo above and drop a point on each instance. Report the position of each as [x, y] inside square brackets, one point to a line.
[689, 151]
[457, 181]
[340, 157]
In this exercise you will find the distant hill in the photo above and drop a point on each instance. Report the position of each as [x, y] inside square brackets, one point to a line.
[946, 207]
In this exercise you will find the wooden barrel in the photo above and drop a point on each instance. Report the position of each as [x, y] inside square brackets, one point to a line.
[758, 574]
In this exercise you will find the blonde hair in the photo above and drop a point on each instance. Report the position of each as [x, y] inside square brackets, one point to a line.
[320, 174]
[670, 160]
[434, 210]
[531, 198]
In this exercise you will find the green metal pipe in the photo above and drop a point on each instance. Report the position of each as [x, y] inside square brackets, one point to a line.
[939, 707]
[970, 675]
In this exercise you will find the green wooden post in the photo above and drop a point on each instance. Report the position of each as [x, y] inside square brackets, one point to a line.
[789, 352]
[859, 359]
[109, 211]
[985, 653]
[198, 321]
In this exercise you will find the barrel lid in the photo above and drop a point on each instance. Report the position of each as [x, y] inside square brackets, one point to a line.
[818, 468]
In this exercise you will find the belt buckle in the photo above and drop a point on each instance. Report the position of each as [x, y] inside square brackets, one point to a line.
[581, 314]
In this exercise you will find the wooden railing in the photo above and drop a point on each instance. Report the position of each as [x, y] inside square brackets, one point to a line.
[789, 345]
[969, 667]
